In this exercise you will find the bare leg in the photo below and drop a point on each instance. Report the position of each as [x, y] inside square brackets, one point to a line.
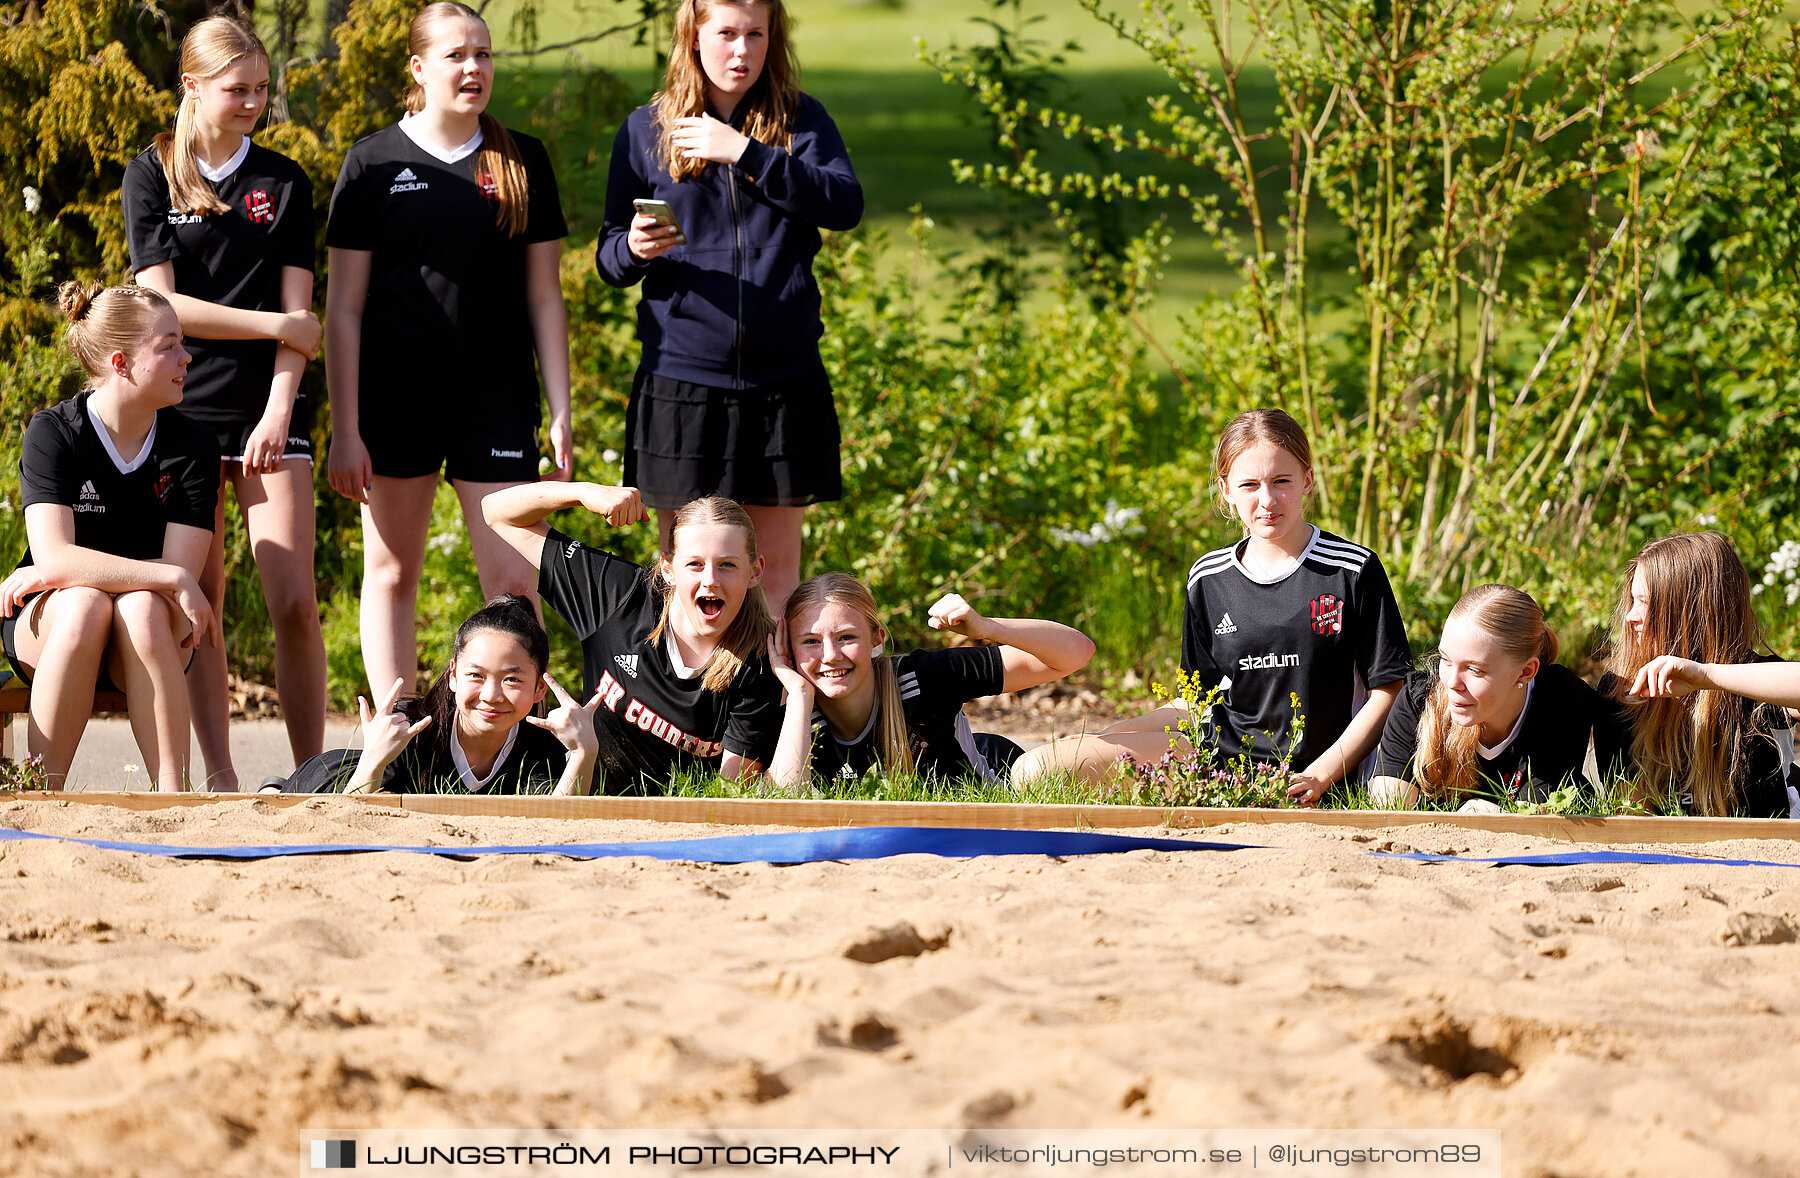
[62, 641]
[278, 513]
[501, 568]
[208, 687]
[665, 527]
[395, 522]
[779, 536]
[146, 659]
[1088, 759]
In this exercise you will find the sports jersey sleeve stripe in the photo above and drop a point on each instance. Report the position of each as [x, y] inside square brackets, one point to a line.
[1339, 550]
[1352, 566]
[1212, 562]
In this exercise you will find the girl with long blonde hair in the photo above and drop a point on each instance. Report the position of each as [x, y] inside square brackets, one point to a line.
[677, 653]
[1496, 717]
[852, 707]
[715, 196]
[1703, 717]
[444, 308]
[223, 228]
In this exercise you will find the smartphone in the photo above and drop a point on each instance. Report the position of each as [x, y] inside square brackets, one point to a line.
[663, 213]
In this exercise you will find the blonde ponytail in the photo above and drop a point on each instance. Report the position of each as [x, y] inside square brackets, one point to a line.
[210, 48]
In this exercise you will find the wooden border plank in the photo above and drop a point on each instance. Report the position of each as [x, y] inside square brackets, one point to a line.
[809, 813]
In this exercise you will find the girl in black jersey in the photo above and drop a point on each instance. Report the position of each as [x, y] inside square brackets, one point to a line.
[444, 307]
[118, 490]
[223, 228]
[473, 730]
[1699, 717]
[851, 707]
[1289, 611]
[1497, 716]
[676, 656]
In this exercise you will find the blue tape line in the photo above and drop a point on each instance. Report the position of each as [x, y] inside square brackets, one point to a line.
[869, 842]
[1581, 858]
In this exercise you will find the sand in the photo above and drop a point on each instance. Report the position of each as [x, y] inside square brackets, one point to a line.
[158, 1016]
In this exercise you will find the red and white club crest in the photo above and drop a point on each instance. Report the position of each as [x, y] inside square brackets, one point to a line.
[1328, 614]
[162, 485]
[489, 189]
[259, 208]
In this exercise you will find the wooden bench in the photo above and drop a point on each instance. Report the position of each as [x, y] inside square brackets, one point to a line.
[15, 701]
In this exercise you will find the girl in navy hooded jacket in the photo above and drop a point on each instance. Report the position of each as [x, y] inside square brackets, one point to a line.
[731, 397]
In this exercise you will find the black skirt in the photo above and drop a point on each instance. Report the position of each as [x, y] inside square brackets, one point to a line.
[774, 446]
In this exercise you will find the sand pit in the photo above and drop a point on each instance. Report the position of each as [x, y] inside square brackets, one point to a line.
[159, 1015]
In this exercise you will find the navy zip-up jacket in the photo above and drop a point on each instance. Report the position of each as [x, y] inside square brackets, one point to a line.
[737, 306]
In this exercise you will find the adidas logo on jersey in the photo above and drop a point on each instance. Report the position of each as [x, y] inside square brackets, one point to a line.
[1225, 626]
[90, 499]
[405, 175]
[627, 663]
[406, 181]
[88, 492]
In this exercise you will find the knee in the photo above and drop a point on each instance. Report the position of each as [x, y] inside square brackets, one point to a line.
[292, 607]
[144, 617]
[390, 578]
[83, 614]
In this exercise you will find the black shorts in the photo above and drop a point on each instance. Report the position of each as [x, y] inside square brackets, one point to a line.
[234, 437]
[9, 627]
[465, 453]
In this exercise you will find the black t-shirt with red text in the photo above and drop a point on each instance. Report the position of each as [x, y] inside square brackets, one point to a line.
[651, 721]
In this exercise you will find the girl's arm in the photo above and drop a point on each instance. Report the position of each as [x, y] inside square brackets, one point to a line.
[517, 513]
[267, 443]
[550, 332]
[812, 181]
[386, 733]
[1393, 793]
[573, 725]
[60, 563]
[1347, 751]
[296, 327]
[1770, 683]
[793, 750]
[345, 295]
[1032, 650]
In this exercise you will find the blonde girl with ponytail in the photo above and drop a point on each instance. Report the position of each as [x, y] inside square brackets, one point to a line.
[852, 707]
[118, 491]
[1495, 719]
[444, 307]
[223, 228]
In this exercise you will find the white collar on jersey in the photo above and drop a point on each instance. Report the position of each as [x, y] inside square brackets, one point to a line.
[460, 759]
[1488, 754]
[231, 165]
[463, 152]
[112, 451]
[1238, 560]
[681, 669]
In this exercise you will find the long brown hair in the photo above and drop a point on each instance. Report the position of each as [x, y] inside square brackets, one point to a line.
[747, 638]
[210, 48]
[107, 319]
[892, 742]
[1699, 609]
[1445, 761]
[768, 107]
[1248, 429]
[498, 158]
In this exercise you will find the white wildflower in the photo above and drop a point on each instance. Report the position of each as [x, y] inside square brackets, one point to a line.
[1706, 519]
[444, 542]
[610, 457]
[1114, 522]
[33, 200]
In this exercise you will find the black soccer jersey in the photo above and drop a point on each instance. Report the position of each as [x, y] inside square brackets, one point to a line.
[445, 328]
[234, 259]
[122, 503]
[934, 685]
[651, 721]
[1769, 787]
[1547, 747]
[532, 764]
[1321, 631]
